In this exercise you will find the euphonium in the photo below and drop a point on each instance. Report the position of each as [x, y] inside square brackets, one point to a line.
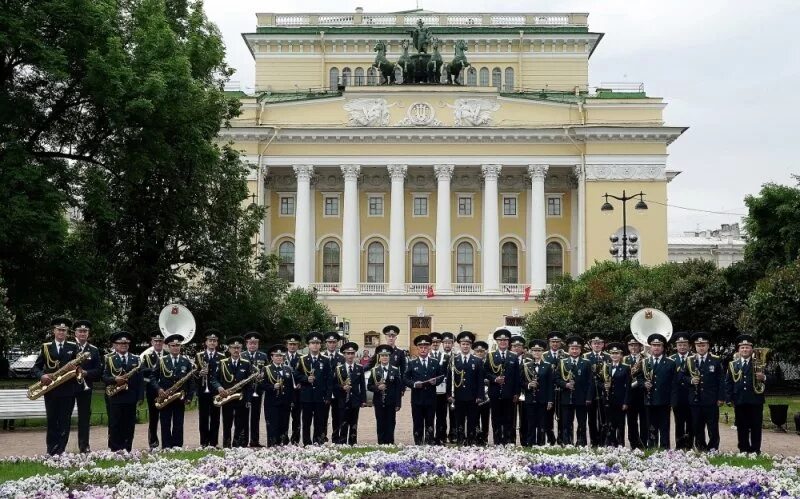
[66, 373]
[759, 362]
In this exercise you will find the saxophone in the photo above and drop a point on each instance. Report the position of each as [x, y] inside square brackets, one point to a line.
[234, 392]
[59, 377]
[112, 390]
[174, 392]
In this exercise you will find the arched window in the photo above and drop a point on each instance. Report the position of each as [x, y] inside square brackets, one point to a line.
[334, 78]
[555, 261]
[497, 78]
[465, 268]
[509, 83]
[375, 266]
[286, 265]
[372, 76]
[346, 74]
[472, 76]
[484, 79]
[359, 77]
[398, 75]
[420, 263]
[510, 263]
[330, 262]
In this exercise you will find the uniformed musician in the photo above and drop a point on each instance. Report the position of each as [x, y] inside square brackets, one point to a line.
[398, 357]
[151, 362]
[235, 414]
[536, 383]
[173, 367]
[636, 414]
[438, 354]
[422, 375]
[207, 361]
[501, 369]
[707, 378]
[553, 357]
[574, 376]
[293, 341]
[335, 358]
[446, 428]
[659, 375]
[616, 378]
[465, 389]
[350, 386]
[258, 359]
[682, 414]
[386, 384]
[520, 420]
[92, 371]
[278, 390]
[745, 388]
[480, 349]
[315, 377]
[596, 358]
[122, 405]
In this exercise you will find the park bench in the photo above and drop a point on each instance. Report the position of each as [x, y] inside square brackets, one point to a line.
[15, 404]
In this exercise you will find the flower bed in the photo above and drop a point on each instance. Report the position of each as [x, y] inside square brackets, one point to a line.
[332, 471]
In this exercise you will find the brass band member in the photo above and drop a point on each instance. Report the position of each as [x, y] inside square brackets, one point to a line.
[385, 382]
[151, 362]
[351, 393]
[746, 383]
[520, 420]
[659, 374]
[258, 360]
[314, 377]
[617, 385]
[278, 389]
[480, 349]
[422, 375]
[172, 369]
[335, 358]
[293, 341]
[120, 369]
[707, 373]
[536, 382]
[92, 371]
[681, 393]
[553, 357]
[637, 417]
[574, 376]
[207, 362]
[235, 414]
[438, 354]
[465, 389]
[58, 402]
[448, 341]
[501, 370]
[596, 358]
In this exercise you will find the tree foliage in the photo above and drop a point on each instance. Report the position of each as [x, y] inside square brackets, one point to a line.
[773, 226]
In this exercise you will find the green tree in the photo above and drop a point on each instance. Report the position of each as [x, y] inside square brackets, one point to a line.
[773, 226]
[302, 312]
[6, 321]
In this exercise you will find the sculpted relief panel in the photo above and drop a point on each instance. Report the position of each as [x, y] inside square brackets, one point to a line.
[374, 112]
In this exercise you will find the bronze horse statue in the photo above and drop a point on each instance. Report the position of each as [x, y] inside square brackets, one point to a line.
[382, 64]
[435, 64]
[458, 64]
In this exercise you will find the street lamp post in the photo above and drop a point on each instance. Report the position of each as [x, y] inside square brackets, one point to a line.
[608, 208]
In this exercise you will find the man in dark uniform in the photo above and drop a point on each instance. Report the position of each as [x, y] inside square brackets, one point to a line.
[60, 401]
[745, 386]
[235, 414]
[707, 376]
[684, 435]
[480, 349]
[438, 354]
[575, 378]
[315, 377]
[350, 386]
[117, 373]
[258, 360]
[617, 386]
[596, 358]
[637, 416]
[335, 358]
[398, 357]
[659, 375]
[386, 384]
[207, 362]
[464, 384]
[502, 371]
[553, 357]
[520, 420]
[151, 362]
[92, 371]
[292, 358]
[173, 368]
[445, 433]
[278, 390]
[536, 383]
[422, 376]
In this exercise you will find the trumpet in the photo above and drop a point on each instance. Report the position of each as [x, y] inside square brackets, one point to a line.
[203, 373]
[66, 373]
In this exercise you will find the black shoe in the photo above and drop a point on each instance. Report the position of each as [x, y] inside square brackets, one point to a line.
[256, 445]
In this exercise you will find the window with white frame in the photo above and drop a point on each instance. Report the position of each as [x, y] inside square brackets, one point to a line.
[555, 261]
[465, 261]
[420, 263]
[330, 262]
[509, 206]
[510, 263]
[287, 205]
[375, 262]
[375, 205]
[553, 206]
[331, 206]
[286, 259]
[464, 206]
[420, 206]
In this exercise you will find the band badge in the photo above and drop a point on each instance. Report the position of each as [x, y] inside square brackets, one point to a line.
[711, 369]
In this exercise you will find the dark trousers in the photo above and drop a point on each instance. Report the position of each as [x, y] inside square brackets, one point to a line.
[594, 424]
[296, 421]
[684, 435]
[277, 424]
[336, 422]
[705, 418]
[153, 418]
[83, 399]
[59, 415]
[209, 420]
[484, 413]
[255, 421]
[748, 426]
[451, 429]
[385, 422]
[234, 416]
[422, 418]
[637, 420]
[569, 413]
[503, 421]
[616, 426]
[348, 430]
[554, 433]
[441, 418]
[522, 423]
[658, 426]
[121, 426]
[536, 415]
[318, 413]
[466, 422]
[172, 425]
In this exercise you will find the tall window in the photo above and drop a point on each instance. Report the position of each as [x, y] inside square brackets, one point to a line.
[375, 267]
[330, 262]
[287, 205]
[509, 206]
[554, 206]
[465, 269]
[510, 264]
[286, 265]
[472, 76]
[359, 77]
[334, 78]
[497, 78]
[372, 76]
[331, 206]
[484, 79]
[346, 74]
[465, 206]
[420, 263]
[509, 83]
[555, 261]
[420, 206]
[376, 206]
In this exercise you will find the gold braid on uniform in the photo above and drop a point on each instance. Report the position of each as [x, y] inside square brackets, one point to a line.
[110, 361]
[564, 375]
[306, 370]
[51, 364]
[339, 370]
[495, 368]
[737, 375]
[460, 374]
[527, 371]
[164, 371]
[272, 379]
[226, 374]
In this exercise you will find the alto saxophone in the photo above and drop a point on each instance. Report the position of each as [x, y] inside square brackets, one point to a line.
[174, 392]
[66, 373]
[112, 390]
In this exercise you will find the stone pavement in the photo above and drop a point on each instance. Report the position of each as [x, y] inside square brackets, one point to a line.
[29, 442]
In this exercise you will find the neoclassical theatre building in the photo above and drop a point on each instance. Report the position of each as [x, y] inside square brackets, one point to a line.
[404, 198]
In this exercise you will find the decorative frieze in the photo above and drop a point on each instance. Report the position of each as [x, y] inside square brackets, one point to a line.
[473, 112]
[625, 172]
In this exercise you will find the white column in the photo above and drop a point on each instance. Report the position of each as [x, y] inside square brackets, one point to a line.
[265, 237]
[491, 230]
[580, 244]
[351, 233]
[538, 230]
[443, 265]
[397, 230]
[302, 226]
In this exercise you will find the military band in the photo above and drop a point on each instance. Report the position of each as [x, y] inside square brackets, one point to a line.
[93, 370]
[258, 360]
[464, 378]
[502, 371]
[293, 341]
[207, 361]
[122, 374]
[746, 383]
[173, 382]
[537, 387]
[277, 385]
[314, 375]
[422, 375]
[386, 384]
[351, 394]
[707, 373]
[659, 373]
[231, 372]
[574, 377]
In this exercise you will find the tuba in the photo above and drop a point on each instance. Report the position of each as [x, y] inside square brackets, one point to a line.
[759, 362]
[177, 319]
[648, 321]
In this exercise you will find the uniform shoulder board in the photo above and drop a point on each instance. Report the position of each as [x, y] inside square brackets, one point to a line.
[586, 355]
[109, 354]
[70, 342]
[46, 343]
[134, 356]
[244, 360]
[714, 356]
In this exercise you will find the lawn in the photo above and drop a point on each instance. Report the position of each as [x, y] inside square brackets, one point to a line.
[793, 401]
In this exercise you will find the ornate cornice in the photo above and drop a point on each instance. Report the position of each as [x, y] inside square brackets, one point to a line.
[625, 172]
[303, 172]
[491, 172]
[538, 172]
[443, 172]
[397, 172]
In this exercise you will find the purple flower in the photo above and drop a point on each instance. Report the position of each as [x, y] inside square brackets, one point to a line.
[411, 468]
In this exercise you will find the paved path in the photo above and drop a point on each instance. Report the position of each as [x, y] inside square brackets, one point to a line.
[29, 442]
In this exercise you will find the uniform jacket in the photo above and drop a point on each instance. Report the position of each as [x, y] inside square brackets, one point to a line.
[320, 390]
[494, 367]
[213, 364]
[169, 371]
[49, 362]
[399, 360]
[712, 380]
[394, 386]
[358, 386]
[93, 366]
[682, 392]
[112, 367]
[620, 392]
[637, 381]
[225, 376]
[425, 395]
[581, 374]
[284, 396]
[543, 374]
[663, 381]
[258, 360]
[597, 360]
[740, 382]
[150, 363]
[469, 379]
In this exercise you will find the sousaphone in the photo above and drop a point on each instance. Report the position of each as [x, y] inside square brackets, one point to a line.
[175, 319]
[649, 321]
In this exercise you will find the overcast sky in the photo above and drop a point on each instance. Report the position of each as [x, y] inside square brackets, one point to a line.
[727, 69]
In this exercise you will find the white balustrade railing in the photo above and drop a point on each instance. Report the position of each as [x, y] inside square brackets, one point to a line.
[326, 287]
[292, 20]
[418, 288]
[410, 19]
[374, 288]
[513, 289]
[429, 20]
[467, 288]
[379, 20]
[336, 20]
[551, 20]
[508, 20]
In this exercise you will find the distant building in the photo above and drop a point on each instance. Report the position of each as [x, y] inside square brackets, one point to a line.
[723, 246]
